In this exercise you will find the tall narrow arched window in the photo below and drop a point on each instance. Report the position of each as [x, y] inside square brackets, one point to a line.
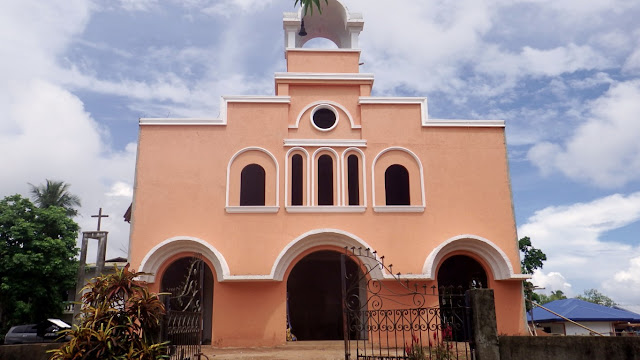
[353, 180]
[325, 180]
[296, 180]
[252, 181]
[396, 185]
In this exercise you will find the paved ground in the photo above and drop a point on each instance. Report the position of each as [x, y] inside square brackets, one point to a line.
[308, 350]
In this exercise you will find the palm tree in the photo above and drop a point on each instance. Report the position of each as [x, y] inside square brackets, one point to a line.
[306, 4]
[54, 193]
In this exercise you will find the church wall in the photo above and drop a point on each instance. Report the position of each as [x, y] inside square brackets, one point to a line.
[460, 192]
[188, 186]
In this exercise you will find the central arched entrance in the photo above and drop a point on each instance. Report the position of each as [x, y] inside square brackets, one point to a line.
[176, 281]
[314, 296]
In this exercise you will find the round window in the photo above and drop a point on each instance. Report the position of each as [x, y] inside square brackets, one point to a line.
[324, 117]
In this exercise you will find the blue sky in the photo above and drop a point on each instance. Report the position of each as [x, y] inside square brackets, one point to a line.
[564, 74]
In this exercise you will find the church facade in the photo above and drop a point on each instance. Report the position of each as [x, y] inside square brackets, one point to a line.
[271, 191]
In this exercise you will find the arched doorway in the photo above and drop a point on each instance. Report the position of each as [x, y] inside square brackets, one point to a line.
[314, 296]
[176, 280]
[461, 272]
[456, 275]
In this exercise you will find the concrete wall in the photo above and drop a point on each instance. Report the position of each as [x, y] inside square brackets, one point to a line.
[569, 348]
[27, 351]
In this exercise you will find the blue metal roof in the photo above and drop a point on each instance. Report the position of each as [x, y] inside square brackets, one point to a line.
[579, 310]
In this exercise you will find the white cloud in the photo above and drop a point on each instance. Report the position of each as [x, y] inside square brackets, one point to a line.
[552, 281]
[121, 189]
[625, 284]
[571, 238]
[138, 5]
[45, 132]
[605, 149]
[632, 64]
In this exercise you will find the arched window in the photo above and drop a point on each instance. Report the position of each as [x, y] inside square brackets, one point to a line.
[296, 180]
[325, 180]
[353, 180]
[252, 181]
[396, 185]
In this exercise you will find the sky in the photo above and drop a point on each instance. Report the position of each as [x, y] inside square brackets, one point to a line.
[564, 75]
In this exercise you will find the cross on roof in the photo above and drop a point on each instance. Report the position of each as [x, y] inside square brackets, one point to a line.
[99, 216]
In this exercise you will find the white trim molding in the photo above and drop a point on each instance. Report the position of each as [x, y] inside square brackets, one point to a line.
[287, 177]
[324, 107]
[326, 142]
[252, 209]
[326, 209]
[178, 121]
[399, 209]
[463, 123]
[325, 103]
[316, 238]
[160, 253]
[275, 161]
[373, 178]
[497, 260]
[324, 76]
[222, 119]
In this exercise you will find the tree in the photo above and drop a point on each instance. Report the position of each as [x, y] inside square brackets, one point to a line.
[120, 320]
[555, 295]
[596, 297]
[532, 259]
[37, 261]
[308, 4]
[54, 193]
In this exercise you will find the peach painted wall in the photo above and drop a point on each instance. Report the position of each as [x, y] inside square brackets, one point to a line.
[181, 189]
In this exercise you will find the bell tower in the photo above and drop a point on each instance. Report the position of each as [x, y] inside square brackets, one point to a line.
[335, 23]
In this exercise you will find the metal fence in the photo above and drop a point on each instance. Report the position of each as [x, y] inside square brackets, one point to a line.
[397, 319]
[183, 319]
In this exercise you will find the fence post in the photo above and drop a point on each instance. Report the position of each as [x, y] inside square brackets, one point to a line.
[483, 324]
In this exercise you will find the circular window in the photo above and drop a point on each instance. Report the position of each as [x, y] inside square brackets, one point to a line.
[324, 117]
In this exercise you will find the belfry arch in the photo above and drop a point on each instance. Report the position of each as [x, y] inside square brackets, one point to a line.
[335, 23]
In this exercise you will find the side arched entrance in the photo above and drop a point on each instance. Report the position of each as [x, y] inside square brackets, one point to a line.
[189, 280]
[314, 296]
[456, 275]
[459, 273]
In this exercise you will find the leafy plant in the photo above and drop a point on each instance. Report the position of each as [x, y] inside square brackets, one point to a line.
[120, 319]
[440, 349]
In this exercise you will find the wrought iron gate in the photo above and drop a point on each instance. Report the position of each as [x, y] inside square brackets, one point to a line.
[394, 319]
[183, 319]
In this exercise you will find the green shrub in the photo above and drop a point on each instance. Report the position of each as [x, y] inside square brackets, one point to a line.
[120, 319]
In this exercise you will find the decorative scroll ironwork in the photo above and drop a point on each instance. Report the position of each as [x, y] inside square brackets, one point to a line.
[183, 320]
[397, 319]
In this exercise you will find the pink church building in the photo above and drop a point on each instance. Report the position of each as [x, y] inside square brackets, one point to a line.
[271, 192]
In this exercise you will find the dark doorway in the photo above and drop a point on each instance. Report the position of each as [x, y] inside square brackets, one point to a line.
[462, 272]
[456, 275]
[174, 281]
[314, 290]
